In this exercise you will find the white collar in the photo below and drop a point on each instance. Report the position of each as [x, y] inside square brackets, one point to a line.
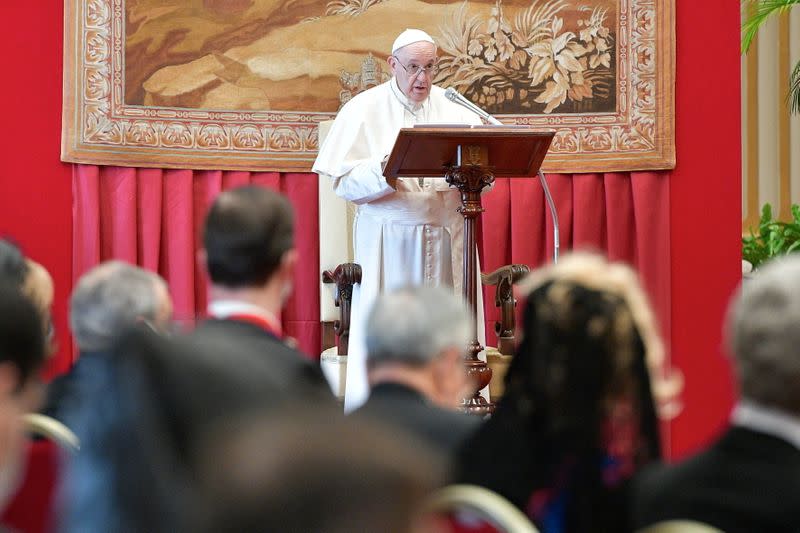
[226, 308]
[411, 107]
[767, 420]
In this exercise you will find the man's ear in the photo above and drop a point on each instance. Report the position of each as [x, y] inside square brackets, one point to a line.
[289, 263]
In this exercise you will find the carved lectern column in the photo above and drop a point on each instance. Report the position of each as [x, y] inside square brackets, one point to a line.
[470, 177]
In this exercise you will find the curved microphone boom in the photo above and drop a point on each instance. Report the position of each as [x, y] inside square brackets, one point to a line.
[455, 96]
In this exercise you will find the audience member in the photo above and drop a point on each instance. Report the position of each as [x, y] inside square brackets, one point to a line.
[302, 472]
[22, 353]
[415, 347]
[250, 257]
[34, 281]
[13, 267]
[107, 300]
[749, 479]
[577, 419]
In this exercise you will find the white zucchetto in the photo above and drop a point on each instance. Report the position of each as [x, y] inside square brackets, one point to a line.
[409, 36]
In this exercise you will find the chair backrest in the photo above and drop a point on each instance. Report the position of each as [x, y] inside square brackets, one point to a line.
[335, 234]
[479, 506]
[50, 428]
[680, 526]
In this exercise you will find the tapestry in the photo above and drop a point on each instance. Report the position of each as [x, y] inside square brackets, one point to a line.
[243, 84]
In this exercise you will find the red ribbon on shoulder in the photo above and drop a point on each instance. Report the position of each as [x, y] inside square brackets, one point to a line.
[260, 321]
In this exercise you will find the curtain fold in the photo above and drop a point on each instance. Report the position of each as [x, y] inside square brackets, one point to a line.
[153, 218]
[623, 215]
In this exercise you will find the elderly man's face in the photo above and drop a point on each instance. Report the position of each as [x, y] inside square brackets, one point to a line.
[420, 54]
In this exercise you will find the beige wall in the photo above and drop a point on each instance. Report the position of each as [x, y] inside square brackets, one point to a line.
[770, 135]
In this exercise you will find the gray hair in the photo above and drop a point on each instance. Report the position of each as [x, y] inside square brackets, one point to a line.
[110, 298]
[412, 326]
[763, 331]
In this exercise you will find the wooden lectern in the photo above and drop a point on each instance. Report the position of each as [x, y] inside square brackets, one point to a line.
[469, 158]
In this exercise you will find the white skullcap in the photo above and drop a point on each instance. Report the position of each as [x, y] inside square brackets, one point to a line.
[409, 36]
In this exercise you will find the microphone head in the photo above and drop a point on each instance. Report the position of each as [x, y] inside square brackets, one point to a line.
[451, 94]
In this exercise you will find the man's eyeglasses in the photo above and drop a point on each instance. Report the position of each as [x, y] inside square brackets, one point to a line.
[415, 70]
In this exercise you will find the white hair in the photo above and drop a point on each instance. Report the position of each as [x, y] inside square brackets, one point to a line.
[763, 332]
[110, 298]
[413, 326]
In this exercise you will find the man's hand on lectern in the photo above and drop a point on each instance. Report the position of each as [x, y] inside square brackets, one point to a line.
[391, 182]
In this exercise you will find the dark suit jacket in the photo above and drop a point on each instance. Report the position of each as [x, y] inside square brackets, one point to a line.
[402, 407]
[289, 370]
[67, 394]
[746, 482]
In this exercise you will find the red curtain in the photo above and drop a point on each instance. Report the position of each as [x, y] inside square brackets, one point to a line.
[153, 218]
[623, 215]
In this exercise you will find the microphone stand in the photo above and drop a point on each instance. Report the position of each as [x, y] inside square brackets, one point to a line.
[553, 215]
[457, 97]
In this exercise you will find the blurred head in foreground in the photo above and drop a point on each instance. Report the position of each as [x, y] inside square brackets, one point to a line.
[303, 472]
[22, 353]
[416, 336]
[763, 331]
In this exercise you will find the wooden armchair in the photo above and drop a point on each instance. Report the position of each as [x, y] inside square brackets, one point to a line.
[339, 273]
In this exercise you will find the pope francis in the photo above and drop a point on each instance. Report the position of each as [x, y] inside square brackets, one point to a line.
[407, 230]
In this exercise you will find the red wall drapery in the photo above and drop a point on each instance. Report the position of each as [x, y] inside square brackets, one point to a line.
[623, 215]
[153, 218]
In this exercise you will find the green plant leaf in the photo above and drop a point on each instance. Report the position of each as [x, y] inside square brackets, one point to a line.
[793, 98]
[759, 11]
[773, 237]
[796, 213]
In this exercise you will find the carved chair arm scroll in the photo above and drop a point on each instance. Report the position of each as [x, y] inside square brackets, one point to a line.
[504, 278]
[344, 277]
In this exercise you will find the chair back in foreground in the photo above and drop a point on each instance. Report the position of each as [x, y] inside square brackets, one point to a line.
[473, 508]
[52, 429]
[680, 526]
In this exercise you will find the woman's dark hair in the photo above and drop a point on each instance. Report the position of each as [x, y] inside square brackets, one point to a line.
[22, 341]
[577, 385]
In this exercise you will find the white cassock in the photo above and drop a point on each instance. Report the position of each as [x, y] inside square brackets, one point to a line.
[412, 236]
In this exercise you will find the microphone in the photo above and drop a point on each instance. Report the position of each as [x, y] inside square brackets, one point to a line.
[455, 96]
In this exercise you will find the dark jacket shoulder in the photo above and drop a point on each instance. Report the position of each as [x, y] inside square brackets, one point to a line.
[289, 367]
[403, 407]
[746, 481]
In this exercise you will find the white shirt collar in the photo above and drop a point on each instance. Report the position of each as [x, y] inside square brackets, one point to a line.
[767, 420]
[226, 308]
[411, 107]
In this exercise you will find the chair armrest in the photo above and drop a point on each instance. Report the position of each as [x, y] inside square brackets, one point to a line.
[344, 276]
[504, 278]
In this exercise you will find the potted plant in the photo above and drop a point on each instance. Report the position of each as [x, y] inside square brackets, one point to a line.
[772, 237]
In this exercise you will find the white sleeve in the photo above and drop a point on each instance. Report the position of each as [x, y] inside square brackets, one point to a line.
[363, 183]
